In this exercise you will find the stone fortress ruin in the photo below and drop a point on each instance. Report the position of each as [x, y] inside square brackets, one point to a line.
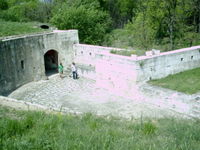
[121, 73]
[31, 58]
[28, 58]
[34, 57]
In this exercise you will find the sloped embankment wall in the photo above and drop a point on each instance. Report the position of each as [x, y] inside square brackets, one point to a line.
[22, 58]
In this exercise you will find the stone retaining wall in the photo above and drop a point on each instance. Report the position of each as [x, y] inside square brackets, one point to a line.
[121, 73]
[21, 105]
[22, 58]
[22, 61]
[85, 57]
[164, 64]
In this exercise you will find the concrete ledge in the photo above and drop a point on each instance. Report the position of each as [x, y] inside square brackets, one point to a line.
[21, 105]
[87, 46]
[27, 106]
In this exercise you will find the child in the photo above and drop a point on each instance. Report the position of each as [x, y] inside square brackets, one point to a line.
[60, 69]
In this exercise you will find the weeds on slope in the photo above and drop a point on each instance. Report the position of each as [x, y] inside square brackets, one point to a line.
[8, 28]
[187, 82]
[37, 130]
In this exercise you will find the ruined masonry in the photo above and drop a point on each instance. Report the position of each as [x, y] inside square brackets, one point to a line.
[34, 57]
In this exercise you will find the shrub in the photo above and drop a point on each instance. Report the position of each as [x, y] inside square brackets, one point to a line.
[91, 32]
[149, 128]
[123, 52]
[3, 5]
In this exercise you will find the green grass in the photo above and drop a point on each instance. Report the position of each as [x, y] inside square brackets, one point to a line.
[123, 52]
[187, 82]
[8, 28]
[36, 130]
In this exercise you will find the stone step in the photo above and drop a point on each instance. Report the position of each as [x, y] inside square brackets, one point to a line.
[194, 116]
[196, 111]
[196, 107]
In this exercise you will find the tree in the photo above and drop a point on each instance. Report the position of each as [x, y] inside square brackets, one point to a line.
[121, 11]
[171, 7]
[92, 24]
[195, 14]
[3, 5]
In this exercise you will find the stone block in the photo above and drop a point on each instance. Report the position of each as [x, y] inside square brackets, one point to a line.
[134, 56]
[155, 52]
[148, 53]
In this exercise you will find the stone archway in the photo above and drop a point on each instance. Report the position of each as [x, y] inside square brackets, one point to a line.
[51, 62]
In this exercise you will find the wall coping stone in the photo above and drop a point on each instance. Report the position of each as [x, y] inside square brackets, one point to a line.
[8, 38]
[95, 46]
[19, 104]
[169, 52]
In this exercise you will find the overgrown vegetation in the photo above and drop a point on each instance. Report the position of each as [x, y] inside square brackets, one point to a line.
[8, 28]
[37, 130]
[92, 23]
[160, 24]
[123, 52]
[187, 82]
[140, 24]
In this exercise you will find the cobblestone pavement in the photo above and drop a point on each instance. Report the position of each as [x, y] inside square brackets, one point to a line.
[82, 96]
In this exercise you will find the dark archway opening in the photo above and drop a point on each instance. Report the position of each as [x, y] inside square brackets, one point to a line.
[51, 62]
[44, 26]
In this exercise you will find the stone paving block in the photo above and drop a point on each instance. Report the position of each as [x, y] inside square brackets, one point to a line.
[80, 96]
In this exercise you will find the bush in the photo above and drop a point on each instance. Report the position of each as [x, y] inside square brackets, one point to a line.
[123, 52]
[92, 24]
[26, 11]
[3, 5]
[149, 128]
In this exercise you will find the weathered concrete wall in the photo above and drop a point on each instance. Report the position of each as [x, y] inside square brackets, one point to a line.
[22, 105]
[22, 58]
[164, 64]
[121, 73]
[22, 61]
[86, 54]
[116, 73]
[85, 57]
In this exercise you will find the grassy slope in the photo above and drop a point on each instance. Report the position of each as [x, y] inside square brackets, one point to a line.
[8, 28]
[36, 130]
[187, 82]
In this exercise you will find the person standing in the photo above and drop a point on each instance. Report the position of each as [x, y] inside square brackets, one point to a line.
[60, 69]
[74, 71]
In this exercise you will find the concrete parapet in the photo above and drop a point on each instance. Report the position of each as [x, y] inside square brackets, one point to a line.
[148, 53]
[166, 63]
[155, 52]
[134, 56]
[21, 105]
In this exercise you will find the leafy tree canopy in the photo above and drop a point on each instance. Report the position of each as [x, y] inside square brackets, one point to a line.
[91, 23]
[163, 24]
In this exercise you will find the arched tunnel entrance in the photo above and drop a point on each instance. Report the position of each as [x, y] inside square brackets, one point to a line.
[51, 62]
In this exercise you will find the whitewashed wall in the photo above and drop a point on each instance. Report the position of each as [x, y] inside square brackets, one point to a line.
[116, 73]
[85, 58]
[164, 64]
[86, 54]
[120, 74]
